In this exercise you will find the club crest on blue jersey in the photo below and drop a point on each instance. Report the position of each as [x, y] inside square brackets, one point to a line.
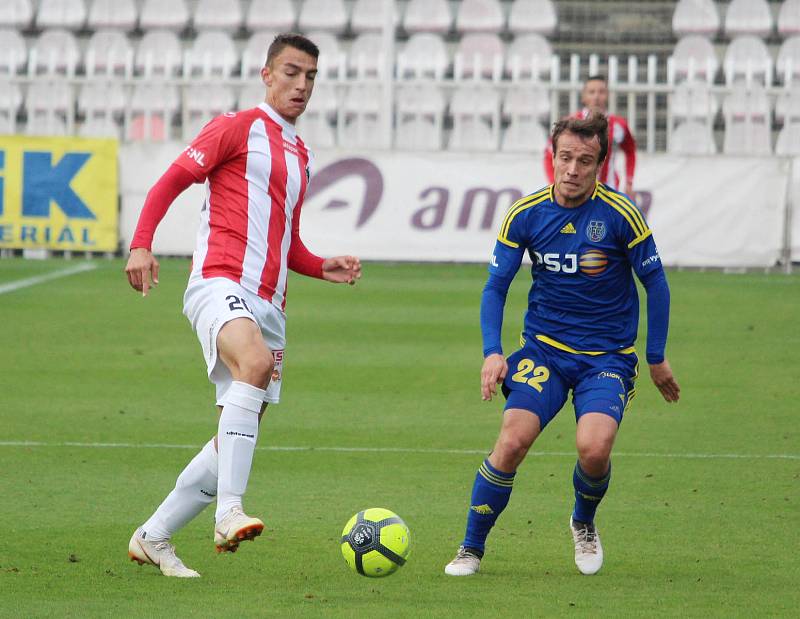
[596, 230]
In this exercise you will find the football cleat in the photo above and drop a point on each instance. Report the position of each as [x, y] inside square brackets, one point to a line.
[466, 563]
[159, 553]
[588, 550]
[235, 527]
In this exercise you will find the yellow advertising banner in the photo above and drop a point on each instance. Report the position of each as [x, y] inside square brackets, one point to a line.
[58, 193]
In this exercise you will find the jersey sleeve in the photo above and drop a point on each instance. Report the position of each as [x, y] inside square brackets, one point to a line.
[214, 145]
[628, 146]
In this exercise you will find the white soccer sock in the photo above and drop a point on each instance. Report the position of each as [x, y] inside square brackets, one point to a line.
[195, 489]
[236, 440]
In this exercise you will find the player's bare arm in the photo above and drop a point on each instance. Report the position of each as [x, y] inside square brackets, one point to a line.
[493, 373]
[661, 374]
[142, 270]
[342, 270]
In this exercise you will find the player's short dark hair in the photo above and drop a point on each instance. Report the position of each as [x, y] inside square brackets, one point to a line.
[291, 39]
[597, 77]
[595, 124]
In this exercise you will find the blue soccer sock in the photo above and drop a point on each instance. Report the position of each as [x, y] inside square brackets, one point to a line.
[589, 491]
[490, 494]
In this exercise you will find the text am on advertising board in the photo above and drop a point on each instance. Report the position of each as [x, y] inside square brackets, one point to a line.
[58, 193]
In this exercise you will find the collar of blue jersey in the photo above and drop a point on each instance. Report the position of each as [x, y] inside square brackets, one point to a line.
[269, 111]
[553, 193]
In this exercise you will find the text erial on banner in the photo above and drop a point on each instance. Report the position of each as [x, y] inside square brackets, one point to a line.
[58, 193]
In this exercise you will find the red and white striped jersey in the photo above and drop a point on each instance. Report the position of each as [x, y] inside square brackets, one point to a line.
[256, 169]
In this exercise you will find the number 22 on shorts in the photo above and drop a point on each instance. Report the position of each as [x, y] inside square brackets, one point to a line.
[529, 372]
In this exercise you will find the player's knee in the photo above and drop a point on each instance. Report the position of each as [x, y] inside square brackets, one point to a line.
[594, 457]
[256, 368]
[511, 450]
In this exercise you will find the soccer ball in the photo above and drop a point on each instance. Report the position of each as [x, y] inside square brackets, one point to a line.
[375, 542]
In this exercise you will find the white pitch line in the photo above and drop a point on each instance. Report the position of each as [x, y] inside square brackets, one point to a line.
[416, 450]
[40, 279]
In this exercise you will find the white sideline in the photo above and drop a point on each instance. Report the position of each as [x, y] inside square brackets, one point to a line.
[432, 450]
[39, 279]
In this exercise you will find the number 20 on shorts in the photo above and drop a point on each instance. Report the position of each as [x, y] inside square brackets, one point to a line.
[529, 372]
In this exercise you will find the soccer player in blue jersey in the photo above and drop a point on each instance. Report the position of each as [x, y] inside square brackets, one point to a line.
[586, 241]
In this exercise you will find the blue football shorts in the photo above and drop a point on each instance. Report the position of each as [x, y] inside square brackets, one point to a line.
[541, 376]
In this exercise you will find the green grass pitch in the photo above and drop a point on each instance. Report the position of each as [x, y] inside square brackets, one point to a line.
[381, 395]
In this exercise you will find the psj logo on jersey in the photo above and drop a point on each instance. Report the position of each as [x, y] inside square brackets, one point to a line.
[58, 193]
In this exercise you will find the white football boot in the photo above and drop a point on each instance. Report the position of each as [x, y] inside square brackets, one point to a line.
[465, 563]
[235, 527]
[160, 554]
[588, 550]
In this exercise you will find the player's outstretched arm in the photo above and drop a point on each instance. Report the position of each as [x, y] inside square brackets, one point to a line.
[341, 270]
[661, 373]
[493, 373]
[142, 270]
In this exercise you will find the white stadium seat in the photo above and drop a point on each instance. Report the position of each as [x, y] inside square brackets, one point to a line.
[748, 17]
[420, 116]
[423, 56]
[692, 138]
[479, 16]
[529, 57]
[788, 62]
[479, 56]
[201, 103]
[55, 51]
[747, 55]
[367, 16]
[787, 105]
[366, 57]
[427, 16]
[159, 53]
[212, 53]
[16, 13]
[69, 14]
[524, 135]
[218, 15]
[789, 19]
[532, 16]
[102, 104]
[112, 14]
[476, 119]
[172, 15]
[251, 95]
[151, 108]
[109, 53]
[10, 100]
[362, 117]
[747, 121]
[277, 15]
[13, 53]
[693, 100]
[527, 102]
[314, 126]
[254, 55]
[694, 58]
[788, 143]
[49, 108]
[332, 60]
[325, 15]
[695, 17]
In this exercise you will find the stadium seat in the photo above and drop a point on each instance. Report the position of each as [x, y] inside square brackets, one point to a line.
[16, 14]
[692, 138]
[419, 117]
[524, 135]
[218, 15]
[10, 100]
[49, 108]
[529, 57]
[332, 60]
[787, 105]
[747, 121]
[747, 55]
[479, 56]
[423, 56]
[102, 105]
[694, 58]
[532, 16]
[119, 14]
[150, 112]
[55, 51]
[172, 15]
[788, 62]
[159, 53]
[201, 103]
[13, 53]
[427, 16]
[254, 55]
[693, 100]
[277, 15]
[789, 19]
[479, 16]
[476, 119]
[695, 17]
[324, 15]
[527, 102]
[366, 58]
[251, 95]
[367, 16]
[748, 17]
[212, 53]
[109, 53]
[314, 126]
[362, 126]
[788, 142]
[70, 14]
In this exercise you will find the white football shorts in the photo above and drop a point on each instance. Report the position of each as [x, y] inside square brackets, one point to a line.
[211, 303]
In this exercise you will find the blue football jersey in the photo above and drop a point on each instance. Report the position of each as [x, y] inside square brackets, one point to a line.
[583, 297]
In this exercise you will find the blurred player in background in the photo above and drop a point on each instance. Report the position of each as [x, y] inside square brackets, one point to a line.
[586, 240]
[594, 98]
[256, 169]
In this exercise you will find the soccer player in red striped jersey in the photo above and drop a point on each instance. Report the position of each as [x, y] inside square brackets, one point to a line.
[256, 171]
[594, 98]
